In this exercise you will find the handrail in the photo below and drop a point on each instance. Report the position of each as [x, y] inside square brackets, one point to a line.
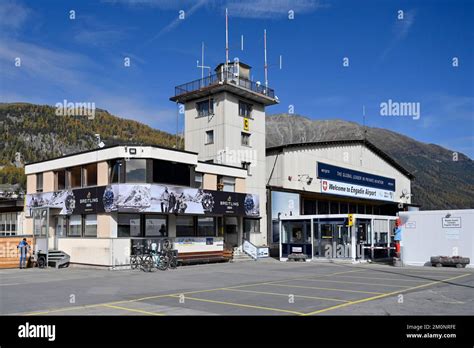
[227, 78]
[253, 256]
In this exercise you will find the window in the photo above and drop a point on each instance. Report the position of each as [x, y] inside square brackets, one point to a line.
[228, 184]
[334, 208]
[75, 226]
[245, 139]
[184, 226]
[344, 208]
[90, 174]
[75, 176]
[309, 206]
[129, 225]
[90, 225]
[155, 226]
[8, 224]
[209, 137]
[206, 227]
[166, 172]
[39, 182]
[205, 107]
[352, 208]
[323, 207]
[61, 226]
[251, 225]
[115, 168]
[197, 182]
[61, 180]
[245, 109]
[135, 170]
[360, 209]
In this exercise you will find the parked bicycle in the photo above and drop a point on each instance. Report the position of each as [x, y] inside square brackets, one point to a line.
[139, 259]
[161, 259]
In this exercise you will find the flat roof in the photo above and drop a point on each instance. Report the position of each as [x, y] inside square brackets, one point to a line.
[365, 142]
[111, 147]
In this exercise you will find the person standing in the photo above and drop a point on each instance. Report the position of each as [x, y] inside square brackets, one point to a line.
[23, 247]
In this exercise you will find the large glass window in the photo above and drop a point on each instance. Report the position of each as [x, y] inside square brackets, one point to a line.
[75, 177]
[129, 225]
[75, 226]
[90, 174]
[39, 182]
[8, 224]
[136, 170]
[184, 226]
[90, 225]
[166, 172]
[156, 226]
[296, 232]
[206, 226]
[205, 107]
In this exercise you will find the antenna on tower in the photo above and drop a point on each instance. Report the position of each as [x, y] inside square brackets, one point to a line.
[202, 66]
[265, 66]
[226, 39]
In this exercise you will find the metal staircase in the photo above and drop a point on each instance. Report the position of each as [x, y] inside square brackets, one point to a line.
[58, 258]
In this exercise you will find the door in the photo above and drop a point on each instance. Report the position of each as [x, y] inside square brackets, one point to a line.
[231, 235]
[60, 230]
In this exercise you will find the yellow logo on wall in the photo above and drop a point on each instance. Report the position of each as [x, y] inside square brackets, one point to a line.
[246, 124]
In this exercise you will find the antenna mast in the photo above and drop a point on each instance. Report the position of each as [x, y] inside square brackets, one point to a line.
[265, 66]
[226, 39]
[202, 66]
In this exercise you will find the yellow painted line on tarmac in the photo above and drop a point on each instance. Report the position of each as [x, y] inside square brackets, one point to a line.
[376, 278]
[331, 289]
[64, 309]
[344, 282]
[382, 295]
[241, 305]
[133, 310]
[286, 295]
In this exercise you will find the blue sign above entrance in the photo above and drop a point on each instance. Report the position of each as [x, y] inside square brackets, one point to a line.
[330, 172]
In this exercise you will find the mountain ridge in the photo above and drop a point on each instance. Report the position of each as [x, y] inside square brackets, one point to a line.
[34, 131]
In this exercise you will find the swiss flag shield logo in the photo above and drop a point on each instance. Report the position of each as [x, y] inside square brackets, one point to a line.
[325, 185]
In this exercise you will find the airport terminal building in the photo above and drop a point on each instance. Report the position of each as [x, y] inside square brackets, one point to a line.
[224, 191]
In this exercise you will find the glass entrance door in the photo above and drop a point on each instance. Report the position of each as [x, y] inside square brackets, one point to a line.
[333, 240]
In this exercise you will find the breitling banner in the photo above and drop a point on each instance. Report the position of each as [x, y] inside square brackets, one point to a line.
[146, 198]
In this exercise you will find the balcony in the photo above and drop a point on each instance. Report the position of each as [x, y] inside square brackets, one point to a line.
[185, 91]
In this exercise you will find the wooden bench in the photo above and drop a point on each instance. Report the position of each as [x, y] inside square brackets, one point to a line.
[202, 257]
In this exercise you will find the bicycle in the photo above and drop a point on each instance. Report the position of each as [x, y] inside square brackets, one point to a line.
[139, 259]
[156, 259]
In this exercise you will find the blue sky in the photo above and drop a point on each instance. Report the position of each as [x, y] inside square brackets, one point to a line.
[408, 60]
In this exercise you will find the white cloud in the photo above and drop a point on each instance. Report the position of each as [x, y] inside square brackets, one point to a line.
[401, 29]
[271, 8]
[12, 15]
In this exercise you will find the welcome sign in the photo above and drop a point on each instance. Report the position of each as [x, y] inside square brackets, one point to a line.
[347, 182]
[335, 173]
